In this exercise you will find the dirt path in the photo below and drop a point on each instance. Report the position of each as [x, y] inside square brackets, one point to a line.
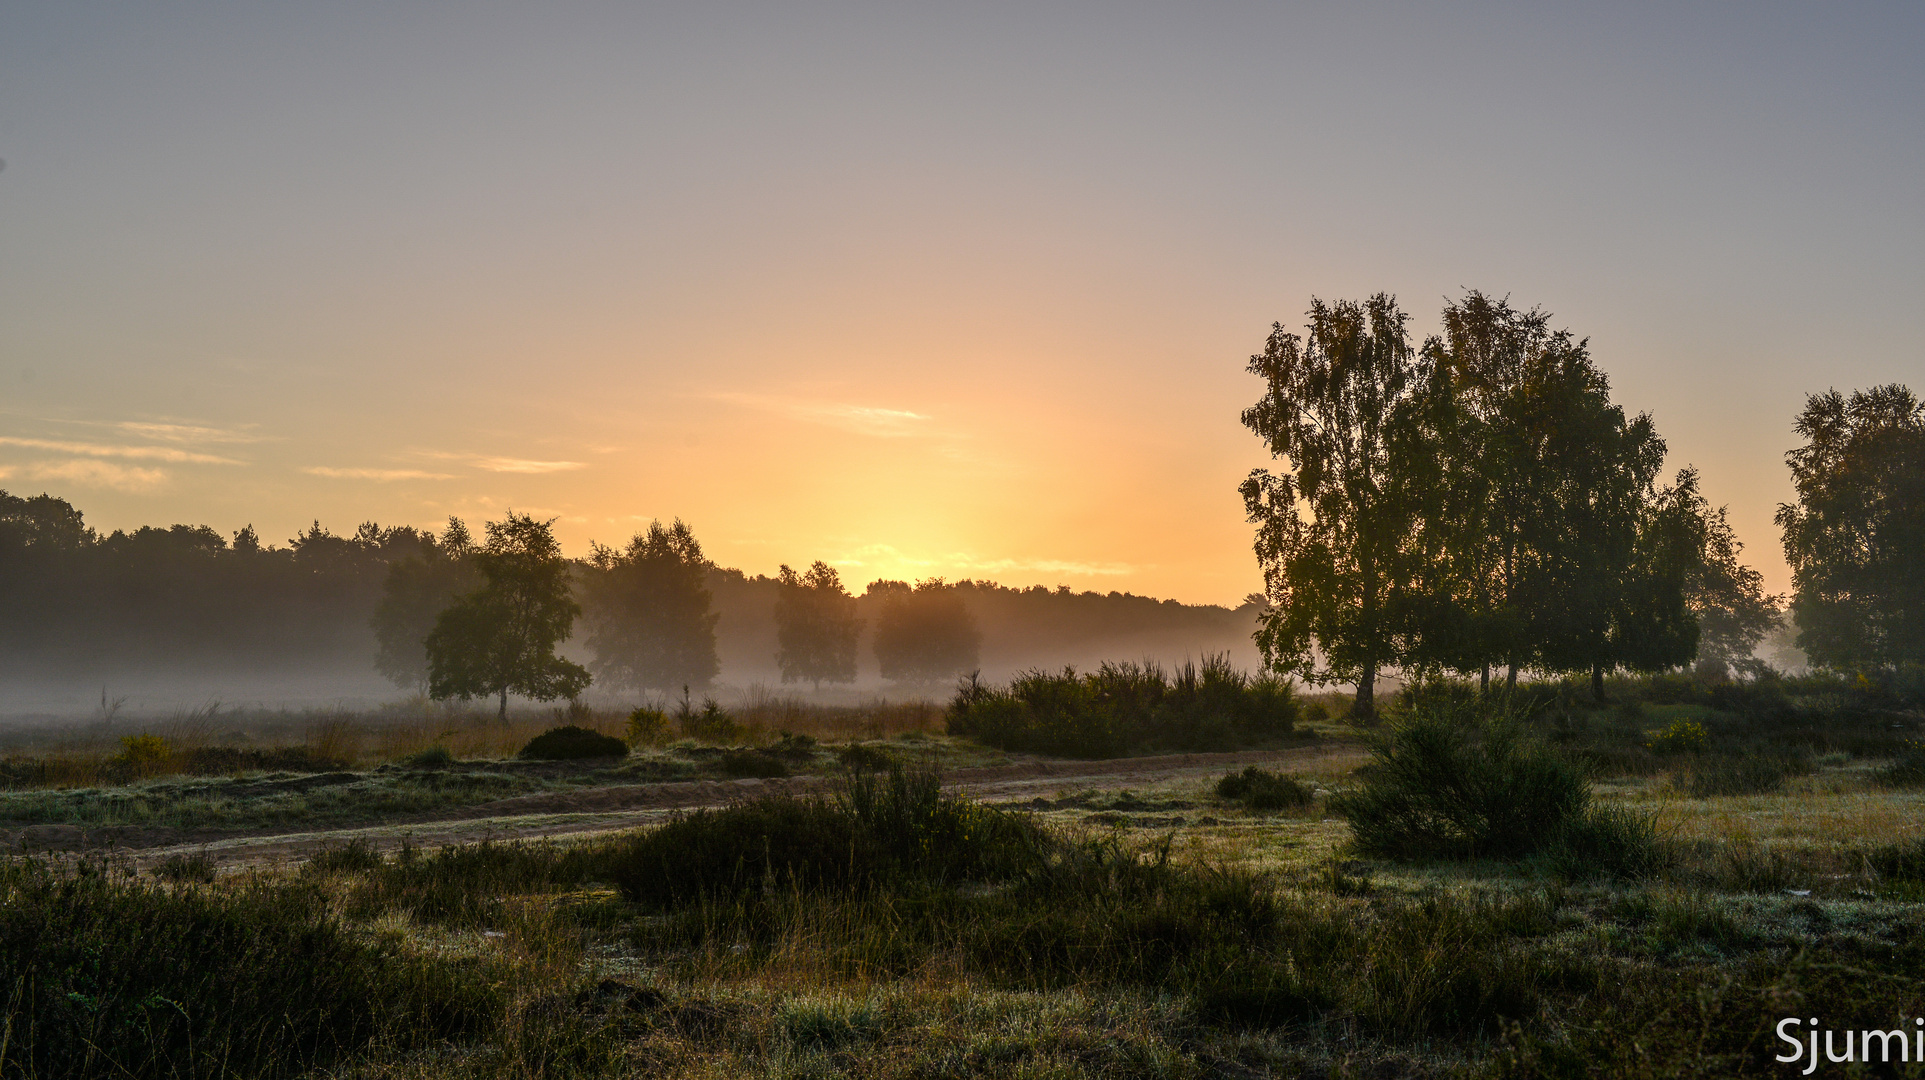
[609, 809]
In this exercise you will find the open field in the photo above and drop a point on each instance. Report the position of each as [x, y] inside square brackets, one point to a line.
[1125, 918]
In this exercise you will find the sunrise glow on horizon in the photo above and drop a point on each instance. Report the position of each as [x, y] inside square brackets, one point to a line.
[962, 293]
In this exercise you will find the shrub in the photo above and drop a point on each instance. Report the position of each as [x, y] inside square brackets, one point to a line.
[754, 763]
[113, 976]
[144, 755]
[227, 760]
[883, 828]
[793, 747]
[1908, 768]
[711, 723]
[355, 855]
[1739, 774]
[571, 744]
[1445, 784]
[1682, 737]
[434, 757]
[1259, 789]
[862, 756]
[647, 726]
[1123, 708]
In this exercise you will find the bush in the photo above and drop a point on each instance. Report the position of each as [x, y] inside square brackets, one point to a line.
[113, 976]
[883, 828]
[354, 856]
[1682, 737]
[1444, 784]
[1739, 774]
[647, 726]
[746, 763]
[434, 757]
[1908, 768]
[1124, 708]
[1259, 789]
[862, 756]
[710, 724]
[227, 760]
[572, 744]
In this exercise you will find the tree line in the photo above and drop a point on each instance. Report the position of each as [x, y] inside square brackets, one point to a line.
[1477, 502]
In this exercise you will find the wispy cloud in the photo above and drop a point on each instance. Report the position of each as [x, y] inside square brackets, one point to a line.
[105, 474]
[102, 450]
[521, 465]
[382, 475]
[861, 419]
[186, 433]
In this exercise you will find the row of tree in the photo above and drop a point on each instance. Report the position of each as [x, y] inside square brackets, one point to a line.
[472, 621]
[1477, 502]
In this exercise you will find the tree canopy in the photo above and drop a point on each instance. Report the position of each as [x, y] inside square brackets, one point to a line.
[418, 589]
[1855, 538]
[500, 639]
[815, 627]
[647, 609]
[924, 634]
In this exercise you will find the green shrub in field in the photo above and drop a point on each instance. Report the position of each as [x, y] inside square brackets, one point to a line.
[1908, 768]
[864, 757]
[1262, 790]
[572, 743]
[883, 828]
[755, 763]
[1123, 708]
[1443, 783]
[1682, 737]
[116, 977]
[433, 757]
[353, 856]
[710, 724]
[1740, 774]
[647, 726]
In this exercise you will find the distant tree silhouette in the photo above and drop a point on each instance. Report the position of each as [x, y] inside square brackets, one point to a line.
[1333, 533]
[501, 638]
[926, 634]
[647, 609]
[815, 627]
[1728, 599]
[418, 589]
[1855, 539]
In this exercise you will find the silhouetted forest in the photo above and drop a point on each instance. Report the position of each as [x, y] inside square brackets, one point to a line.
[82, 608]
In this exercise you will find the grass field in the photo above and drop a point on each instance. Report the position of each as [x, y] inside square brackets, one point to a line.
[1158, 929]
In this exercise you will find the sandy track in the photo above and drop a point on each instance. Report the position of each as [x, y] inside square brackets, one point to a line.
[609, 809]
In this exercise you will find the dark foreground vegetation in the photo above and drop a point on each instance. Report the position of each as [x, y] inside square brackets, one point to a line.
[1488, 910]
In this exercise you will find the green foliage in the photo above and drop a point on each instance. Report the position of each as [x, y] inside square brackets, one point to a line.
[1856, 537]
[647, 609]
[926, 634]
[1124, 708]
[114, 977]
[711, 723]
[354, 856]
[1682, 737]
[501, 638]
[1262, 790]
[1443, 783]
[1908, 768]
[864, 757]
[754, 763]
[815, 627]
[884, 828]
[571, 743]
[433, 757]
[647, 726]
[144, 755]
[1740, 774]
[417, 590]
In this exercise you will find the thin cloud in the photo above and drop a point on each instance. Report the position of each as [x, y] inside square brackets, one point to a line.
[98, 474]
[186, 433]
[521, 465]
[139, 453]
[861, 419]
[382, 475]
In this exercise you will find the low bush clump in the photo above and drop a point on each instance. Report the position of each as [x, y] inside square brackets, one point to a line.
[1908, 768]
[882, 828]
[1262, 790]
[1126, 708]
[572, 743]
[1739, 774]
[227, 760]
[863, 757]
[647, 726]
[1682, 737]
[710, 724]
[113, 976]
[754, 763]
[1444, 783]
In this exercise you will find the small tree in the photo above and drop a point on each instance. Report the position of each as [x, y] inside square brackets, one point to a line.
[501, 638]
[418, 589]
[1856, 537]
[647, 609]
[816, 627]
[925, 634]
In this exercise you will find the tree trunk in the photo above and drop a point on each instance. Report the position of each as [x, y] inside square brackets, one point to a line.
[1365, 709]
[1510, 680]
[1484, 681]
[1597, 682]
[503, 714]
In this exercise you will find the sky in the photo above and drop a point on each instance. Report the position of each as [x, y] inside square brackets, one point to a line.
[959, 290]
